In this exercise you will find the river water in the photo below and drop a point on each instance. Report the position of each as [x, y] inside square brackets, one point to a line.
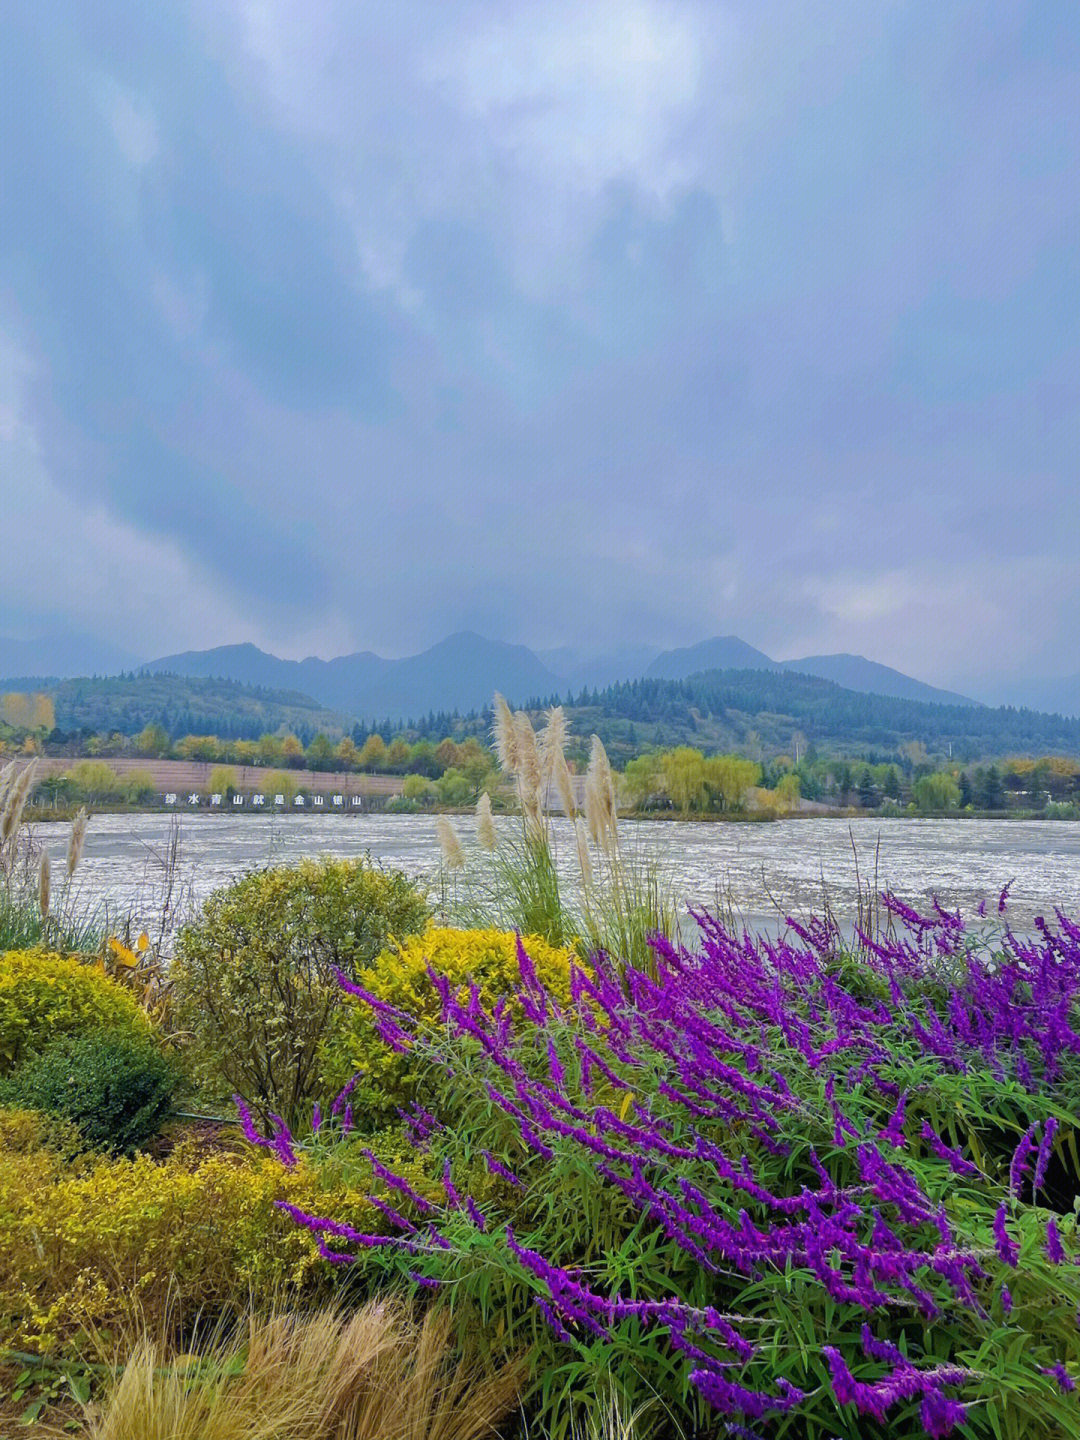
[761, 872]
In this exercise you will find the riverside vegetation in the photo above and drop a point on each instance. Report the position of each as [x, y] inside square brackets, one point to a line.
[534, 1170]
[720, 745]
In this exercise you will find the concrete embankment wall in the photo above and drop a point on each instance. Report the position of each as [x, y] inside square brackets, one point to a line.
[184, 776]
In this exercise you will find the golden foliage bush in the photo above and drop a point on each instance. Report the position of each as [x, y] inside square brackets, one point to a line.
[399, 977]
[98, 1242]
[43, 995]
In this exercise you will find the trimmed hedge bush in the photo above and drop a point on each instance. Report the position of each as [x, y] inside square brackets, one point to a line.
[489, 958]
[115, 1086]
[43, 996]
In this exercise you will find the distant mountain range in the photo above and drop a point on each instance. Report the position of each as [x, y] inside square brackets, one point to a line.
[461, 672]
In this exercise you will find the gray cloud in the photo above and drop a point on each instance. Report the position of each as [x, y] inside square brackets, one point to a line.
[648, 321]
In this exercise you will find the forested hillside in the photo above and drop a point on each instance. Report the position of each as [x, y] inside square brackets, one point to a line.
[751, 710]
[185, 706]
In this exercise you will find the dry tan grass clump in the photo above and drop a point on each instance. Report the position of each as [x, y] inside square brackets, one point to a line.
[373, 1375]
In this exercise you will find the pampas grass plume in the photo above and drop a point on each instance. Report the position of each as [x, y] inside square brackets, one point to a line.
[76, 841]
[528, 762]
[7, 775]
[594, 808]
[607, 821]
[485, 825]
[565, 785]
[581, 834]
[505, 735]
[453, 854]
[16, 800]
[552, 742]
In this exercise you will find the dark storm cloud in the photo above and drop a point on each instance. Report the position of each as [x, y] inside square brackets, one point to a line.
[647, 320]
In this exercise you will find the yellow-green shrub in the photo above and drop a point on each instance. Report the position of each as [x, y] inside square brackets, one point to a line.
[399, 977]
[105, 1243]
[43, 995]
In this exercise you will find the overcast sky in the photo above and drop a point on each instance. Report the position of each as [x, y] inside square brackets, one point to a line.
[341, 326]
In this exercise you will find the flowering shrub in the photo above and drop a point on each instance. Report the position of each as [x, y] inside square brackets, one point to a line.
[43, 995]
[254, 980]
[107, 1242]
[399, 978]
[809, 1198]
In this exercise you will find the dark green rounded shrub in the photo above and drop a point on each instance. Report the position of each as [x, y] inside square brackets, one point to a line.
[254, 979]
[115, 1086]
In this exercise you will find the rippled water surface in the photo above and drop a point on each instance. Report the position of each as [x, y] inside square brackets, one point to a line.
[762, 870]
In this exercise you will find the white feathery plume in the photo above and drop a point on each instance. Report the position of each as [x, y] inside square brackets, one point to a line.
[453, 854]
[485, 825]
[7, 775]
[16, 800]
[600, 767]
[528, 763]
[594, 808]
[565, 785]
[553, 764]
[76, 841]
[581, 834]
[552, 743]
[505, 735]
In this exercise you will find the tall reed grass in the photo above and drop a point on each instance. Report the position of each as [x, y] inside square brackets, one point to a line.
[514, 879]
[34, 910]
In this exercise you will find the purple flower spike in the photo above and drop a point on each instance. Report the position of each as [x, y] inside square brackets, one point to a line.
[1060, 1374]
[1007, 1249]
[1054, 1250]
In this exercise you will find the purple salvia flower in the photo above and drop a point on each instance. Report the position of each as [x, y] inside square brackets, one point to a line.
[1055, 1253]
[939, 1415]
[247, 1123]
[424, 1280]
[498, 1168]
[958, 1162]
[316, 1118]
[1060, 1374]
[281, 1142]
[343, 1094]
[1006, 1300]
[397, 1183]
[1007, 1249]
[1020, 1163]
[448, 1185]
[1042, 1159]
